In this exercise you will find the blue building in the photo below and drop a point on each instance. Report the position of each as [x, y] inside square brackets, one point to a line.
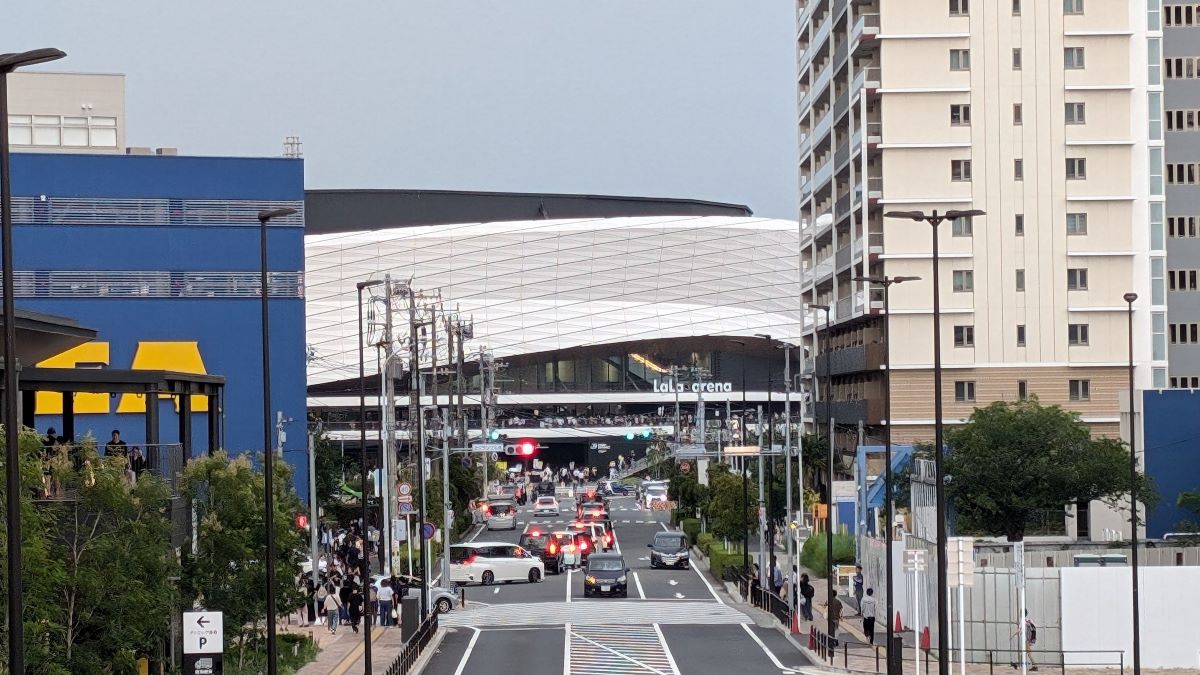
[1171, 434]
[160, 254]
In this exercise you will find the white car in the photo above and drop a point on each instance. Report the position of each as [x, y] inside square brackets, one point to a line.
[654, 493]
[489, 562]
[502, 516]
[546, 506]
[443, 599]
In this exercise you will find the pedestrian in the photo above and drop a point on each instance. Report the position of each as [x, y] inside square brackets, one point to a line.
[867, 609]
[834, 613]
[858, 588]
[776, 578]
[309, 590]
[344, 594]
[115, 446]
[807, 592]
[385, 602]
[1030, 641]
[137, 461]
[333, 608]
[355, 608]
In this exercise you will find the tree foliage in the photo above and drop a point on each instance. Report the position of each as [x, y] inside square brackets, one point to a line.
[1189, 501]
[227, 571]
[1014, 460]
[730, 513]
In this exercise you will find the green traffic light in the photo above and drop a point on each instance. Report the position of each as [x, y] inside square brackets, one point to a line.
[629, 435]
[494, 434]
[646, 433]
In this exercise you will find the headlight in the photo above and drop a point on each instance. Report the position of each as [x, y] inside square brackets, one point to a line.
[621, 579]
[590, 579]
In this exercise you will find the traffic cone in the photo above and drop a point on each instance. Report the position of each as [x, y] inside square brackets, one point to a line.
[925, 639]
[795, 623]
[899, 623]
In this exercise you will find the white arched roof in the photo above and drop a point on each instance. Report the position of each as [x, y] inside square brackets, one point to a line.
[542, 285]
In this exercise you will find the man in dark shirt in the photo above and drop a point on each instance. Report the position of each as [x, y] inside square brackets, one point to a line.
[116, 446]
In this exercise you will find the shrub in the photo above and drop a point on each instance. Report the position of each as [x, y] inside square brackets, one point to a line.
[704, 542]
[812, 555]
[690, 527]
[720, 560]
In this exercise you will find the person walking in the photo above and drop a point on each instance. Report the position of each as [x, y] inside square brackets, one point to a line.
[333, 608]
[807, 592]
[355, 607]
[867, 609]
[1030, 641]
[309, 590]
[386, 594]
[834, 609]
[776, 578]
[858, 588]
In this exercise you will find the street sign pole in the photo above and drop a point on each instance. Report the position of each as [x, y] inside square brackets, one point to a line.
[1019, 568]
[203, 642]
[915, 561]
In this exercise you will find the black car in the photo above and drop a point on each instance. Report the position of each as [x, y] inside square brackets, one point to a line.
[586, 506]
[543, 489]
[543, 546]
[670, 549]
[605, 575]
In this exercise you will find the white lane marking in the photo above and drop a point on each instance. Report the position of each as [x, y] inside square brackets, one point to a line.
[679, 596]
[616, 544]
[666, 649]
[495, 591]
[614, 652]
[569, 573]
[567, 643]
[462, 664]
[699, 573]
[637, 580]
[672, 582]
[762, 646]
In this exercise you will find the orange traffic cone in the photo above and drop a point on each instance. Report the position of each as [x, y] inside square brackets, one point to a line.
[925, 639]
[795, 623]
[899, 623]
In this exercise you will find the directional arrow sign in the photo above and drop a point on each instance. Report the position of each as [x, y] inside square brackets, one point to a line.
[203, 632]
[679, 596]
[672, 582]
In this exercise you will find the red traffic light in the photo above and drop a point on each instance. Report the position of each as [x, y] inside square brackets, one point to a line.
[302, 521]
[526, 448]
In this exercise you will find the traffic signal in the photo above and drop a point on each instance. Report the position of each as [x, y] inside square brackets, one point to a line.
[493, 434]
[525, 447]
[629, 435]
[302, 521]
[645, 434]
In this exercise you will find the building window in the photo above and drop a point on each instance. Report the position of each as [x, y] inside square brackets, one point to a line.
[1016, 7]
[1019, 169]
[1184, 334]
[960, 114]
[63, 131]
[1077, 279]
[1181, 226]
[964, 281]
[964, 391]
[1081, 390]
[1016, 58]
[1017, 117]
[960, 59]
[1157, 240]
[1022, 390]
[1072, 6]
[1076, 112]
[1158, 284]
[1076, 223]
[1181, 280]
[961, 227]
[1077, 334]
[1019, 224]
[1076, 168]
[1020, 335]
[1156, 171]
[960, 169]
[960, 7]
[964, 336]
[1073, 58]
[1020, 281]
[1183, 173]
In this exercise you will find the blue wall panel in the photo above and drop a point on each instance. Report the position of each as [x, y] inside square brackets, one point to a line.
[1172, 453]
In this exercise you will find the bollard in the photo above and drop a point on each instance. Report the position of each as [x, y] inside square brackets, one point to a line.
[462, 597]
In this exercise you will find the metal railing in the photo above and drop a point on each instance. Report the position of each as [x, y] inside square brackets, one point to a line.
[47, 210]
[1049, 658]
[414, 647]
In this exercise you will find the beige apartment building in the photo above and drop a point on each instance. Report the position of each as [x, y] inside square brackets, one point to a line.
[66, 112]
[1048, 116]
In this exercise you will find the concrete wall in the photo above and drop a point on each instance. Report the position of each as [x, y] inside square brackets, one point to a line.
[1097, 614]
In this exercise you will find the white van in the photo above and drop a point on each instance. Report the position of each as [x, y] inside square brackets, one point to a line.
[489, 562]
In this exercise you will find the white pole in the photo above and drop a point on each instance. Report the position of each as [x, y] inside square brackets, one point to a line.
[917, 620]
[313, 517]
[787, 472]
[962, 626]
[1019, 566]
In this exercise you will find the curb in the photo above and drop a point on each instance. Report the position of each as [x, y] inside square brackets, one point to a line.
[429, 651]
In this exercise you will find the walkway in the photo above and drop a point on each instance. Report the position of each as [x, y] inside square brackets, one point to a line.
[343, 652]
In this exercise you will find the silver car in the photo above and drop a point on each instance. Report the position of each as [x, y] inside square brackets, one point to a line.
[546, 506]
[443, 599]
[502, 515]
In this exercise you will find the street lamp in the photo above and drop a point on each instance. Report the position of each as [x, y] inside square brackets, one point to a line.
[265, 217]
[16, 630]
[745, 474]
[362, 439]
[935, 219]
[893, 661]
[770, 481]
[787, 465]
[828, 396]
[1133, 508]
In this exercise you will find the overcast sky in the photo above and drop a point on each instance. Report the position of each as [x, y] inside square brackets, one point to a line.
[678, 98]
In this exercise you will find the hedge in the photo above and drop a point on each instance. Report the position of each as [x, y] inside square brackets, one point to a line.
[704, 542]
[812, 555]
[721, 559]
[690, 527]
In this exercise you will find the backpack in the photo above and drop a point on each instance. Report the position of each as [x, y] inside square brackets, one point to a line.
[1031, 631]
[808, 591]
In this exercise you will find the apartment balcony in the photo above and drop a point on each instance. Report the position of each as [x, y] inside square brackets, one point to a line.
[874, 133]
[851, 360]
[873, 79]
[823, 269]
[865, 29]
[875, 188]
[867, 411]
[842, 257]
[845, 308]
[824, 173]
[806, 188]
[823, 126]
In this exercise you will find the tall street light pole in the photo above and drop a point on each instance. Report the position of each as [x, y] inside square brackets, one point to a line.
[770, 458]
[16, 629]
[893, 662]
[1133, 507]
[828, 396]
[935, 219]
[787, 469]
[265, 217]
[362, 439]
[745, 475]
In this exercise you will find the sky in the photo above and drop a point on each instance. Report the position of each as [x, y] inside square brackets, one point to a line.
[667, 98]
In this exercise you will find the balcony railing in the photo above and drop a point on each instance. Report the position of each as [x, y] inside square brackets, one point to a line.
[866, 26]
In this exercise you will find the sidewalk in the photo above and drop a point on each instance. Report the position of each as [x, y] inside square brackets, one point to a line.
[343, 652]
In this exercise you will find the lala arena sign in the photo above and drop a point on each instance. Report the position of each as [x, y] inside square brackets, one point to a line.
[672, 387]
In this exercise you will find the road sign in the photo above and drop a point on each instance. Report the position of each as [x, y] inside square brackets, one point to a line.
[915, 560]
[203, 632]
[406, 507]
[685, 467]
[405, 489]
[739, 450]
[487, 447]
[501, 466]
[428, 530]
[495, 456]
[404, 499]
[960, 561]
[400, 528]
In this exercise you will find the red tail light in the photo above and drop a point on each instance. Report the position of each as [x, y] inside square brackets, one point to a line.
[583, 545]
[553, 548]
[469, 561]
[608, 538]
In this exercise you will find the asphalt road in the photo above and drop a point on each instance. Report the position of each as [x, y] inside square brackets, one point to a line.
[674, 621]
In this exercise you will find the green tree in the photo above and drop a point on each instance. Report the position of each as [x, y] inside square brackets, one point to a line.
[687, 492]
[730, 513]
[1015, 460]
[227, 570]
[333, 468]
[1189, 501]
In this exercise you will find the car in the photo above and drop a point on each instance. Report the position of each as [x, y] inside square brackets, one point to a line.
[545, 506]
[502, 515]
[583, 506]
[543, 546]
[654, 493]
[606, 574]
[601, 536]
[565, 542]
[613, 488]
[443, 599]
[488, 562]
[595, 516]
[544, 489]
[670, 549]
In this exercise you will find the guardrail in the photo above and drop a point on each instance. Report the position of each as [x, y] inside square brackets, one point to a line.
[414, 647]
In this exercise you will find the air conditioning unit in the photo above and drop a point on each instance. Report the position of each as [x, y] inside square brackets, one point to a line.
[166, 152]
[133, 150]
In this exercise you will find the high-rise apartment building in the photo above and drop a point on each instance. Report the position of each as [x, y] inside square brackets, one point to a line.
[1181, 52]
[1048, 116]
[66, 112]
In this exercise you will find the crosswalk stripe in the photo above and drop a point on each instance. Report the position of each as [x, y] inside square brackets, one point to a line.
[608, 612]
[618, 649]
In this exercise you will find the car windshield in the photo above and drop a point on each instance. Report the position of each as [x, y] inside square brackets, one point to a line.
[502, 509]
[669, 541]
[460, 553]
[656, 490]
[533, 540]
[609, 565]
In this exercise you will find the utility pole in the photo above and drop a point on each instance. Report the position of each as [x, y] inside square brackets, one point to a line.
[485, 369]
[416, 439]
[387, 429]
[763, 559]
[787, 471]
[447, 506]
